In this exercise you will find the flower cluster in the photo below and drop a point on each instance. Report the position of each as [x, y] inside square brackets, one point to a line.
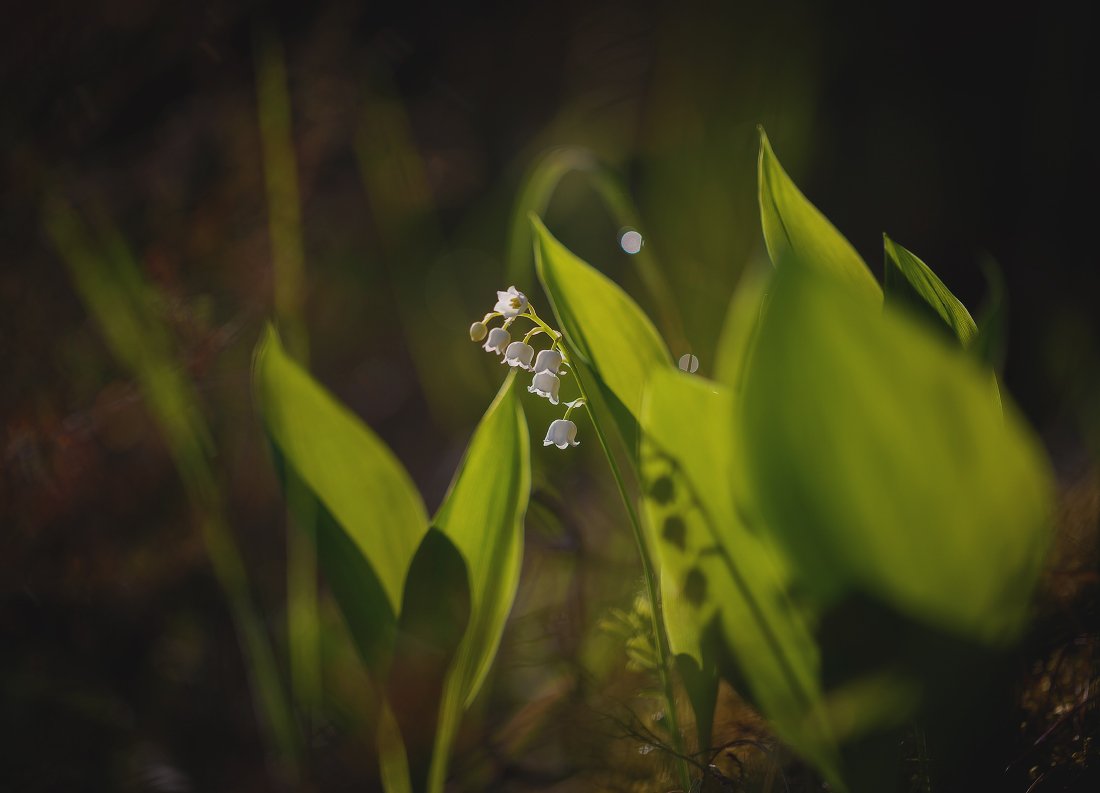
[547, 367]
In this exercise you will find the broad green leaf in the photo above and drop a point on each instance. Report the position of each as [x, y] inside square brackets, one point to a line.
[877, 458]
[482, 514]
[600, 321]
[739, 331]
[796, 232]
[717, 571]
[372, 517]
[910, 282]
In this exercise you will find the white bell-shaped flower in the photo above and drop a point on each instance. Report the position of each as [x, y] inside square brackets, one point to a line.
[545, 384]
[562, 433]
[497, 341]
[511, 303]
[519, 354]
[548, 361]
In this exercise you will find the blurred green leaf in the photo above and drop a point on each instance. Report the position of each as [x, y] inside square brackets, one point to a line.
[372, 517]
[482, 514]
[393, 761]
[879, 461]
[796, 232]
[720, 574]
[911, 283]
[739, 331]
[600, 321]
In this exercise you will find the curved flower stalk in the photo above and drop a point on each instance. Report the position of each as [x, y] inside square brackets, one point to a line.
[549, 365]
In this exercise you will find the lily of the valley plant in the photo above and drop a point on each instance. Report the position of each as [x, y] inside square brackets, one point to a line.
[548, 367]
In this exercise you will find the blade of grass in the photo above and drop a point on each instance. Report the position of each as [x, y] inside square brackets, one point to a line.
[111, 287]
[288, 264]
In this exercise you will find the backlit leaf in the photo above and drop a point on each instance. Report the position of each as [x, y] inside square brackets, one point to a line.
[910, 282]
[879, 460]
[720, 574]
[482, 514]
[372, 518]
[796, 232]
[600, 321]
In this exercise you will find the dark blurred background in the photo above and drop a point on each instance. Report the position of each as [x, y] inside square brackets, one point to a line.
[966, 135]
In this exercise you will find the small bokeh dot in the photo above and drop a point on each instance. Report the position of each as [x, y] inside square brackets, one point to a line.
[631, 241]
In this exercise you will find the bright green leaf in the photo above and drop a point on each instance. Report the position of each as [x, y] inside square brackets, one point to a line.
[482, 514]
[373, 517]
[600, 321]
[910, 282]
[717, 571]
[879, 460]
[795, 231]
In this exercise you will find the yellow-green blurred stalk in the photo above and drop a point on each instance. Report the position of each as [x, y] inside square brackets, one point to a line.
[112, 288]
[288, 264]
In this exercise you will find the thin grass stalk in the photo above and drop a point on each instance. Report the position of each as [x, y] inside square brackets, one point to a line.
[288, 264]
[111, 287]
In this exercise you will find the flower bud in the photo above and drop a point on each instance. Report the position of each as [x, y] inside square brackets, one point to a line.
[478, 331]
[497, 341]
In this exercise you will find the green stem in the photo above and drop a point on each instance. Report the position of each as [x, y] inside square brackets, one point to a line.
[544, 328]
[539, 188]
[656, 610]
[648, 567]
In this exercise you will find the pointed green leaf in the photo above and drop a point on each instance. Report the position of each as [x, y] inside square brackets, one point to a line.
[878, 459]
[795, 231]
[717, 571]
[482, 514]
[372, 518]
[911, 283]
[600, 321]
